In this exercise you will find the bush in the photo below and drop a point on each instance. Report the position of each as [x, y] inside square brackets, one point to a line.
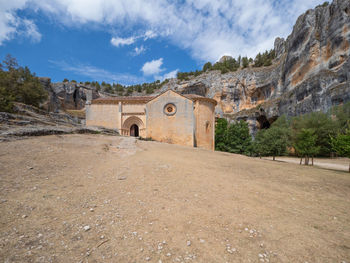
[234, 137]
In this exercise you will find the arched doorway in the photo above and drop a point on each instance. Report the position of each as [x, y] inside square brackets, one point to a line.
[134, 130]
[133, 126]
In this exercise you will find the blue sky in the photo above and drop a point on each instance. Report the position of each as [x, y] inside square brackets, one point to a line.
[135, 41]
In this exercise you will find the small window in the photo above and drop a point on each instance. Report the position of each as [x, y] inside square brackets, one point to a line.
[207, 126]
[170, 109]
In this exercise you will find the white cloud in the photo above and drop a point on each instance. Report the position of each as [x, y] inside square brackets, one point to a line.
[11, 25]
[31, 30]
[206, 28]
[169, 75]
[118, 41]
[149, 34]
[152, 67]
[97, 74]
[138, 50]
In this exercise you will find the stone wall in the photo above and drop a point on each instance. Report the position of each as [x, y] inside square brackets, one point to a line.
[104, 115]
[177, 128]
[205, 124]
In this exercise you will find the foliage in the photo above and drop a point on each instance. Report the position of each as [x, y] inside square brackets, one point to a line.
[186, 75]
[66, 80]
[323, 126]
[264, 59]
[207, 66]
[245, 62]
[272, 141]
[341, 143]
[305, 144]
[18, 84]
[234, 137]
[220, 134]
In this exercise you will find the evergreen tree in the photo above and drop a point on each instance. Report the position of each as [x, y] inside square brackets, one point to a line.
[245, 62]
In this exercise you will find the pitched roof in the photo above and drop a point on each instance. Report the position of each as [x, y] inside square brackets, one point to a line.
[115, 100]
[145, 99]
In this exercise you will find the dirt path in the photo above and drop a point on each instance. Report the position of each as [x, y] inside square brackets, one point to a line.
[95, 198]
[341, 164]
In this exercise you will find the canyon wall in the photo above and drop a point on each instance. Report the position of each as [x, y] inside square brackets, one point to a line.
[311, 72]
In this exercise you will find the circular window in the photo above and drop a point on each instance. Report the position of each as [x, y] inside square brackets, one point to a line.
[170, 109]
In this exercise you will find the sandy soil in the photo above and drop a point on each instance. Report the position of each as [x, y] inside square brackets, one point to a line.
[341, 164]
[150, 202]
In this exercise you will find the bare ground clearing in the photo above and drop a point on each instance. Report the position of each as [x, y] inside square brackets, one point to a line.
[146, 201]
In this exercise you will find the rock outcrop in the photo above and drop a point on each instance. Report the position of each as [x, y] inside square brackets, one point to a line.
[311, 72]
[31, 121]
[67, 95]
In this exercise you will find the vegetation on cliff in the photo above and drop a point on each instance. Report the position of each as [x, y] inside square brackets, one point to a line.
[229, 64]
[18, 84]
[123, 90]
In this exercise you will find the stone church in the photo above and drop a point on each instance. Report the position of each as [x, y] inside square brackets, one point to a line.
[169, 117]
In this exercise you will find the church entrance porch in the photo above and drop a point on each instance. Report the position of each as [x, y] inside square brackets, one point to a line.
[134, 130]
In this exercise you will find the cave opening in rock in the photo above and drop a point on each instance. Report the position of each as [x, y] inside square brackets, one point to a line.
[263, 122]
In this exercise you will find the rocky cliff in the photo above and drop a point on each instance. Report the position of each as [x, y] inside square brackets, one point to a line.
[67, 95]
[311, 72]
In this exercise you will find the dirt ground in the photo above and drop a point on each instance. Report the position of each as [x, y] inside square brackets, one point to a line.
[96, 198]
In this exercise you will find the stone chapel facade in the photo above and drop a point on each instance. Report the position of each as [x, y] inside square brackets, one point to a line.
[169, 117]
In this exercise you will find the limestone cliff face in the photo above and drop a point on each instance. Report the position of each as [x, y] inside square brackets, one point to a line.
[311, 72]
[67, 95]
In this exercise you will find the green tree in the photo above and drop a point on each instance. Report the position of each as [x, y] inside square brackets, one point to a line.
[238, 139]
[18, 84]
[305, 145]
[245, 62]
[322, 124]
[272, 142]
[207, 66]
[220, 134]
[341, 144]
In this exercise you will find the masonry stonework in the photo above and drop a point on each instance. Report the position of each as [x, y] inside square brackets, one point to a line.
[169, 117]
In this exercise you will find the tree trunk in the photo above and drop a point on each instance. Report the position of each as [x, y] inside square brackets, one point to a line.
[349, 167]
[301, 160]
[273, 158]
[306, 160]
[312, 160]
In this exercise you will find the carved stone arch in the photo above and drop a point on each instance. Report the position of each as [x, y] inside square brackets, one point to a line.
[129, 122]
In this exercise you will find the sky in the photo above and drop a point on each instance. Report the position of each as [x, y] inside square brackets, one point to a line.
[136, 41]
